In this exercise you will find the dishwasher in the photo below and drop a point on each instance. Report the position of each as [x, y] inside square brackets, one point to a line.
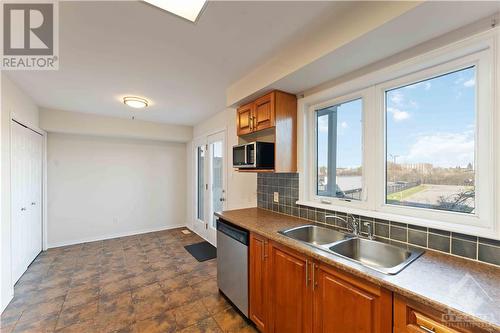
[232, 264]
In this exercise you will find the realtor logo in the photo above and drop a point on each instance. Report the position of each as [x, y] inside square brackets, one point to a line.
[29, 36]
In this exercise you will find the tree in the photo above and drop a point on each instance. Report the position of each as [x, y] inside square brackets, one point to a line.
[457, 202]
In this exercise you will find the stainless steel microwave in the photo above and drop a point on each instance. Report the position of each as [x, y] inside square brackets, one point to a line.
[257, 155]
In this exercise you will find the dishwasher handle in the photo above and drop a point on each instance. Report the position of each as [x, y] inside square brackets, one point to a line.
[232, 231]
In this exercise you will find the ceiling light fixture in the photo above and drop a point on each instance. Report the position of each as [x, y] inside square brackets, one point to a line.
[135, 102]
[188, 9]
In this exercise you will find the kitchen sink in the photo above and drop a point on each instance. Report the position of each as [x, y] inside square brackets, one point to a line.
[316, 235]
[384, 258]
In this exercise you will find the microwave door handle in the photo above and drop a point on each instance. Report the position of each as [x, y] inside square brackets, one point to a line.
[246, 154]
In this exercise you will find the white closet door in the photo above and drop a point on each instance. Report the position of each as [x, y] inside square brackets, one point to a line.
[34, 196]
[18, 207]
[26, 184]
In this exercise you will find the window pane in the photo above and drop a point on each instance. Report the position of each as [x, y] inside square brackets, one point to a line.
[339, 150]
[201, 182]
[431, 142]
[217, 178]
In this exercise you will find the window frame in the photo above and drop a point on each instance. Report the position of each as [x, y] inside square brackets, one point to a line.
[363, 96]
[480, 50]
[482, 142]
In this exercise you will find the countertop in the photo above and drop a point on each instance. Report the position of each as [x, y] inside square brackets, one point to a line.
[444, 282]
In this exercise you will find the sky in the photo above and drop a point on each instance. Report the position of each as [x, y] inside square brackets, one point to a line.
[432, 121]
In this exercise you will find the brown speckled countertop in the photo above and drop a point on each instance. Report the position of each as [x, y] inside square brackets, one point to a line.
[444, 282]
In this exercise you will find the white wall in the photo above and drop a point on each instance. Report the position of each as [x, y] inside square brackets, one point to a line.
[57, 121]
[241, 187]
[18, 105]
[101, 187]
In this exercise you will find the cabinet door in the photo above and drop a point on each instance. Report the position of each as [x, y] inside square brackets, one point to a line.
[244, 119]
[345, 304]
[259, 282]
[264, 112]
[290, 304]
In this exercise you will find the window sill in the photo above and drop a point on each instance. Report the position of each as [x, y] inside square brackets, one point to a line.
[452, 227]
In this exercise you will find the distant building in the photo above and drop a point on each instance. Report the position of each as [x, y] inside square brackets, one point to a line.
[422, 168]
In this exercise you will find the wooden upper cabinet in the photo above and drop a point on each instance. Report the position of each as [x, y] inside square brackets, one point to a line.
[258, 282]
[290, 294]
[264, 112]
[244, 119]
[272, 118]
[343, 303]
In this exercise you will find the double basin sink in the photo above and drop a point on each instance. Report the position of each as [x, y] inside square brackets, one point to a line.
[385, 258]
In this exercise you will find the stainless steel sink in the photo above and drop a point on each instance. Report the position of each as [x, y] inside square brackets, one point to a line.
[316, 235]
[385, 258]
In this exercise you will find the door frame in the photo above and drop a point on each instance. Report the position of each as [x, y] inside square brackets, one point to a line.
[197, 223]
[196, 142]
[215, 137]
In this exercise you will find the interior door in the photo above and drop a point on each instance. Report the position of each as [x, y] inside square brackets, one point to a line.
[216, 181]
[210, 183]
[26, 187]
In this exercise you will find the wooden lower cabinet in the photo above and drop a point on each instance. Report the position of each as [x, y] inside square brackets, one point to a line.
[346, 304]
[290, 292]
[258, 281]
[412, 317]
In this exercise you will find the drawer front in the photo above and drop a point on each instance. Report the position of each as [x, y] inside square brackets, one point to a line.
[413, 317]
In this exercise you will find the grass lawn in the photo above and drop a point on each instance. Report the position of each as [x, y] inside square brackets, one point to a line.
[398, 196]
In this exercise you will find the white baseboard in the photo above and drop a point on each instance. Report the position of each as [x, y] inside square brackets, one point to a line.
[116, 235]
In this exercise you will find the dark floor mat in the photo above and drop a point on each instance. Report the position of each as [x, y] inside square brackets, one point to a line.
[202, 251]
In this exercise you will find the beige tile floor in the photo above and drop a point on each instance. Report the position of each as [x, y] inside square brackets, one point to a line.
[142, 283]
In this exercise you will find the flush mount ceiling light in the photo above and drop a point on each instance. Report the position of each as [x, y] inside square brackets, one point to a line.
[135, 102]
[188, 9]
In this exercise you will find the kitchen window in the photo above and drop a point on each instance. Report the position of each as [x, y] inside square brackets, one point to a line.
[420, 146]
[430, 143]
[339, 150]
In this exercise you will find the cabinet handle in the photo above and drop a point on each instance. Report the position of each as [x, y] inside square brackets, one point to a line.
[430, 326]
[250, 122]
[265, 249]
[314, 278]
[307, 273]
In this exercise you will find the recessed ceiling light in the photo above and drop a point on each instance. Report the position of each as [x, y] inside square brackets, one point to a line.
[135, 102]
[188, 9]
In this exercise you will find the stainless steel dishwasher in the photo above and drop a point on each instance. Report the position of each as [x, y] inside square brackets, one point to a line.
[232, 264]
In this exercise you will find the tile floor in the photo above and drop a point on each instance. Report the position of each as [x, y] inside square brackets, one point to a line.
[143, 283]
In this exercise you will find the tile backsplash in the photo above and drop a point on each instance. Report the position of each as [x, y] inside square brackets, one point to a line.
[287, 185]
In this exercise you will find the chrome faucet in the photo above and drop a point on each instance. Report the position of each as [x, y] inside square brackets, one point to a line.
[369, 226]
[335, 217]
[353, 224]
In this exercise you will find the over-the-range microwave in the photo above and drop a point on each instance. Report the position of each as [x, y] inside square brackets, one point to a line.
[257, 155]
